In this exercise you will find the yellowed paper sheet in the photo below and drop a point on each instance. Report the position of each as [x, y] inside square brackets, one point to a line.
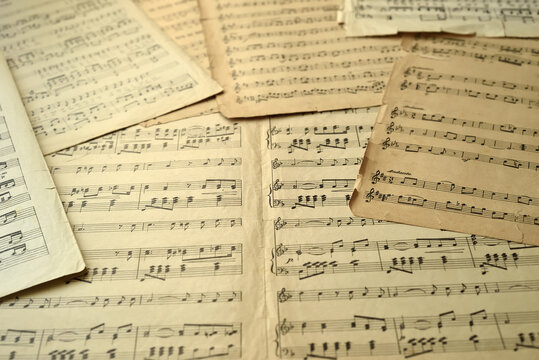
[272, 58]
[455, 147]
[342, 287]
[168, 225]
[36, 241]
[329, 285]
[481, 17]
[180, 20]
[86, 68]
[517, 52]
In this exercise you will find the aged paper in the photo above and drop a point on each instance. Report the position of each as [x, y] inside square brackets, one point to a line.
[481, 17]
[36, 241]
[166, 226]
[168, 222]
[180, 20]
[275, 58]
[86, 68]
[342, 287]
[455, 147]
[516, 52]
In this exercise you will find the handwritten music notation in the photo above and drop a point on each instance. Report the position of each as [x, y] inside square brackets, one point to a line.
[512, 52]
[139, 140]
[266, 53]
[415, 290]
[111, 301]
[110, 341]
[68, 67]
[484, 18]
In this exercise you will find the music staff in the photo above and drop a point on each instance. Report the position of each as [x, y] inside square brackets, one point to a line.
[139, 140]
[127, 300]
[309, 222]
[308, 260]
[447, 186]
[459, 154]
[175, 225]
[162, 263]
[408, 113]
[127, 340]
[134, 167]
[455, 207]
[495, 144]
[415, 290]
[433, 88]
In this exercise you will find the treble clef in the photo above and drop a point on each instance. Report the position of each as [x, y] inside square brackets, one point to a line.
[277, 185]
[283, 296]
[390, 128]
[395, 112]
[369, 196]
[285, 327]
[386, 143]
[280, 250]
[276, 163]
[279, 223]
[376, 177]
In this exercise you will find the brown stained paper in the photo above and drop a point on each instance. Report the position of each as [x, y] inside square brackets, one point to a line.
[343, 287]
[180, 20]
[455, 147]
[516, 52]
[86, 68]
[480, 17]
[36, 241]
[213, 239]
[272, 58]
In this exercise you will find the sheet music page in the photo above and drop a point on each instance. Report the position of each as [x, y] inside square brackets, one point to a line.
[168, 222]
[481, 17]
[86, 68]
[276, 58]
[342, 287]
[180, 20]
[36, 241]
[455, 147]
[516, 52]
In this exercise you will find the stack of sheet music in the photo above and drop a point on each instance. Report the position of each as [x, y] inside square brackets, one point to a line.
[199, 184]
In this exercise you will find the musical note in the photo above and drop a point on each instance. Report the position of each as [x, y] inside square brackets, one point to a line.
[70, 79]
[371, 17]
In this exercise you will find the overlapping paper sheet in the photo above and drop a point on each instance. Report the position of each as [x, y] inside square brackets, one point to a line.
[86, 68]
[36, 241]
[275, 58]
[516, 52]
[180, 20]
[455, 147]
[481, 17]
[208, 238]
